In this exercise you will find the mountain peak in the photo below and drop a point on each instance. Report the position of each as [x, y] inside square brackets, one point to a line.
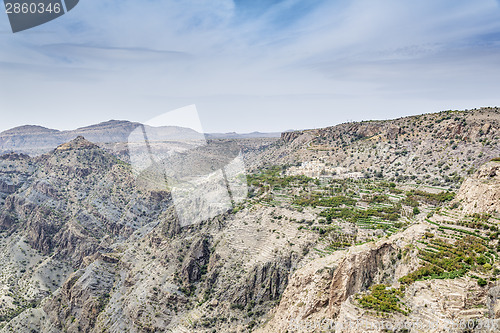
[29, 129]
[77, 143]
[109, 124]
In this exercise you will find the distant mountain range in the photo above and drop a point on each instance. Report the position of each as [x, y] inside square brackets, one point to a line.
[35, 140]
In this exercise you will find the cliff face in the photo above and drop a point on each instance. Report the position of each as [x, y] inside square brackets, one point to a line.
[481, 192]
[290, 136]
[357, 272]
[320, 289]
[324, 292]
[83, 296]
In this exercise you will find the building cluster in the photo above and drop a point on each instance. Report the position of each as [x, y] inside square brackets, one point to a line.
[317, 169]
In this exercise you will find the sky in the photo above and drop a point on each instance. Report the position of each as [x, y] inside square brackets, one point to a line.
[251, 65]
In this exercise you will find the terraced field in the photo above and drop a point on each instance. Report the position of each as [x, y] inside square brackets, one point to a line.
[457, 245]
[346, 211]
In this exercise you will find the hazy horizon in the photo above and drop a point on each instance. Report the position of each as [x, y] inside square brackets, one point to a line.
[125, 120]
[229, 131]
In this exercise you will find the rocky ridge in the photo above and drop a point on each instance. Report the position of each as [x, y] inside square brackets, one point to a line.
[37, 140]
[439, 149]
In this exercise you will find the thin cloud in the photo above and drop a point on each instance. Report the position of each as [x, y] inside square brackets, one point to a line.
[241, 62]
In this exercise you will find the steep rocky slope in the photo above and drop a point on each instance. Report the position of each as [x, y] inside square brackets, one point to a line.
[217, 275]
[88, 250]
[320, 290]
[481, 192]
[64, 206]
[325, 294]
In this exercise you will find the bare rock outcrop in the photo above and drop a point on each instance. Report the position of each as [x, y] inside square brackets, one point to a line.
[83, 296]
[265, 282]
[290, 136]
[196, 261]
[481, 192]
[357, 272]
[318, 290]
[321, 289]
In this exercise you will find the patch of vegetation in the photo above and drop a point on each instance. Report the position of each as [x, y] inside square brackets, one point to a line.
[378, 198]
[102, 301]
[336, 201]
[476, 221]
[391, 213]
[431, 198]
[448, 261]
[272, 177]
[339, 241]
[410, 200]
[381, 298]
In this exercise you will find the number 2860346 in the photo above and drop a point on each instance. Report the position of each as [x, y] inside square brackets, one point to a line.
[32, 8]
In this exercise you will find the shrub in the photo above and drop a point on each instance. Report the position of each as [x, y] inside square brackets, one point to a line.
[481, 260]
